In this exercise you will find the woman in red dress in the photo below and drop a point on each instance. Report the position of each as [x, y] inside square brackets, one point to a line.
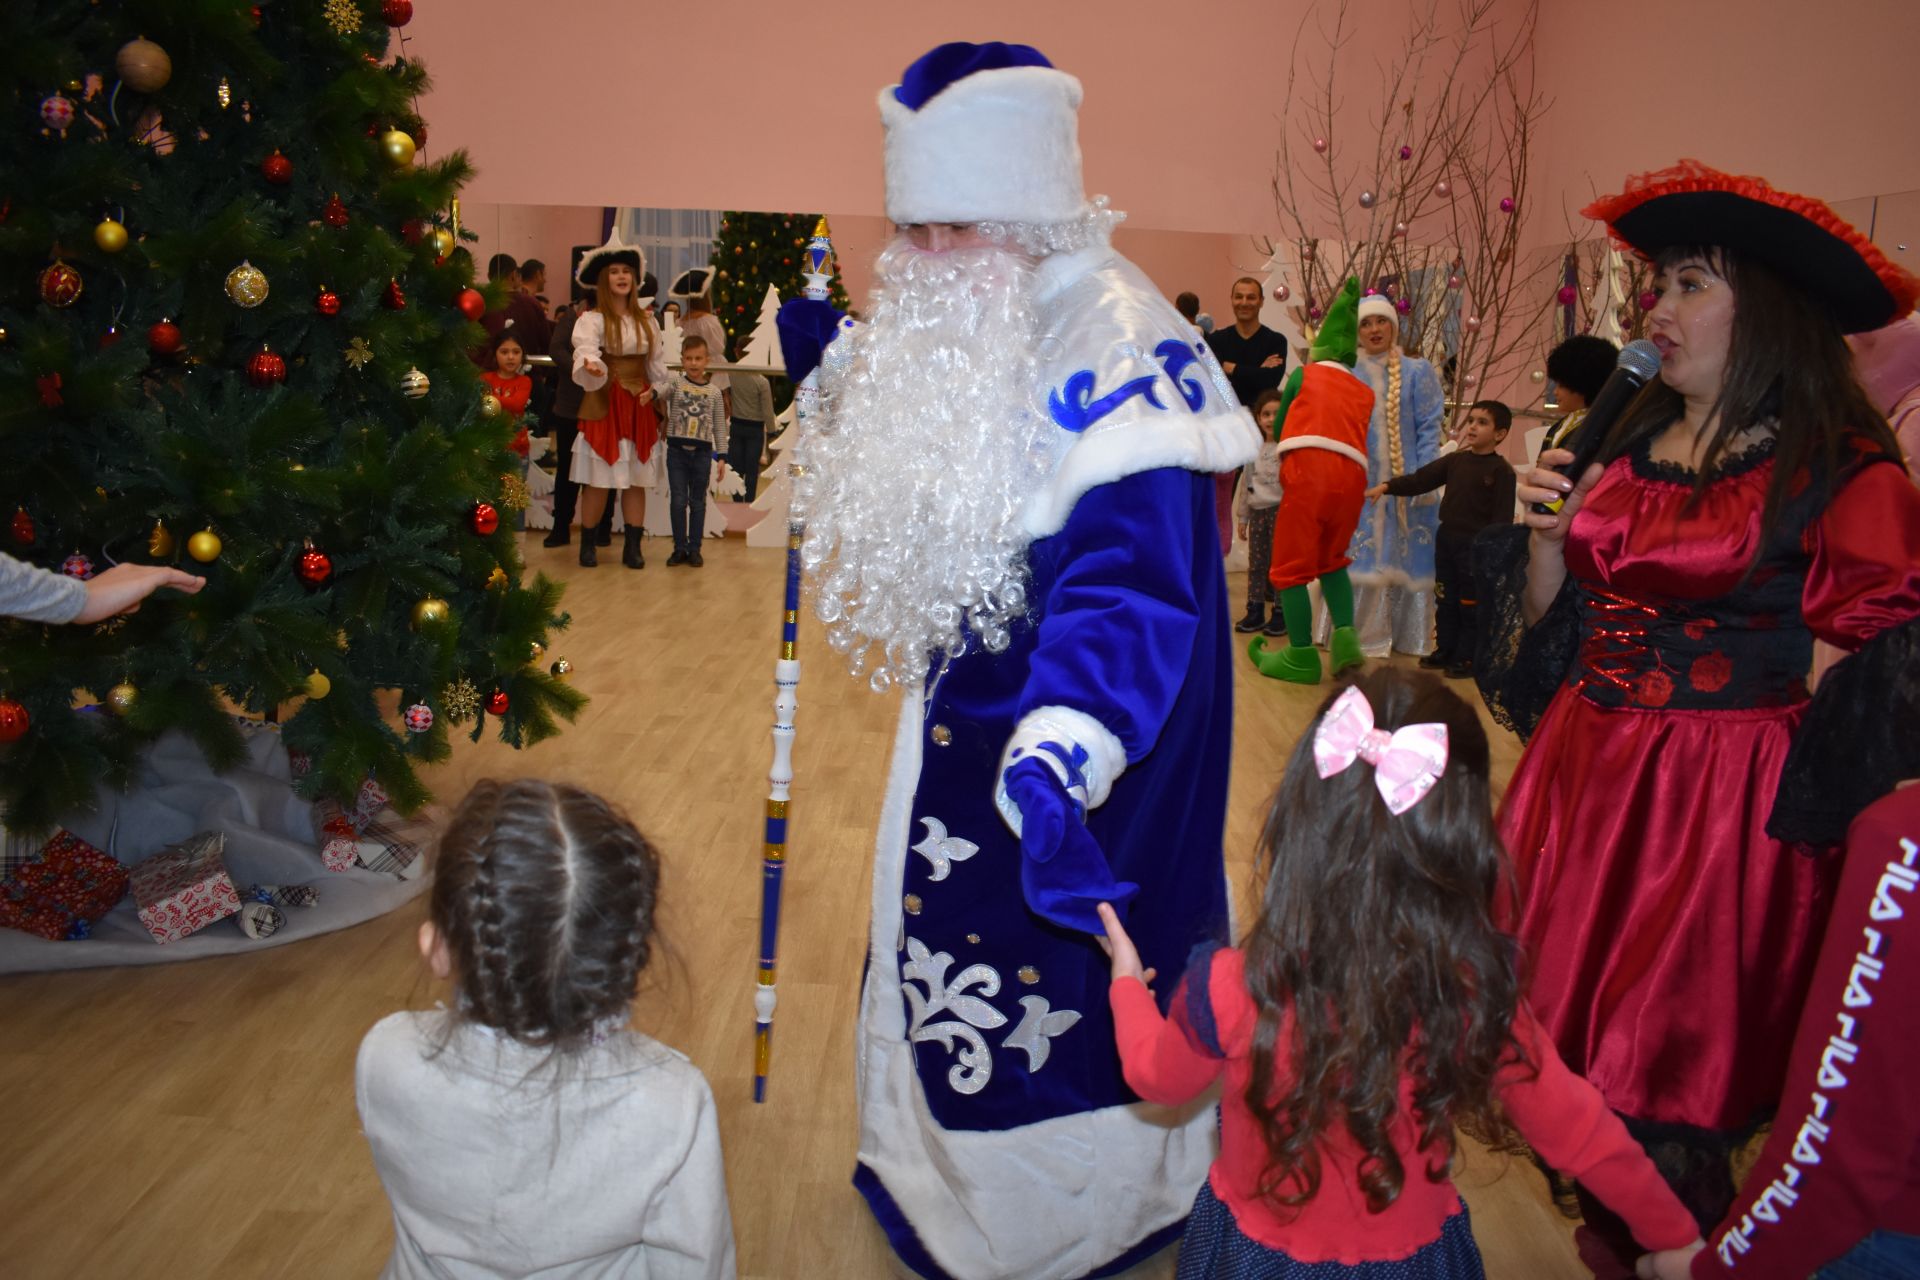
[617, 361]
[1669, 817]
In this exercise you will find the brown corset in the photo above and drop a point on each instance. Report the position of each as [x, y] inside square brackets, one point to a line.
[629, 371]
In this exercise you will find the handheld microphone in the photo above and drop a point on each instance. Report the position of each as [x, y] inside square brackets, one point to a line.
[1639, 360]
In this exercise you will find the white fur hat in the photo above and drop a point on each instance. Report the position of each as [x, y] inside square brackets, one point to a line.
[1378, 304]
[983, 133]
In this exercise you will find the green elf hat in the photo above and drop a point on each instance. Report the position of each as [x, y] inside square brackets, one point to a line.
[1339, 335]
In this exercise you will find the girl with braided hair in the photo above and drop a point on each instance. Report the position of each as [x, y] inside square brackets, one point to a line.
[528, 1129]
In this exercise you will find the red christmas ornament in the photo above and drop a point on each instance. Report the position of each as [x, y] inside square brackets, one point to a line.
[21, 527]
[60, 285]
[483, 519]
[418, 132]
[315, 567]
[327, 302]
[471, 303]
[265, 367]
[393, 299]
[111, 336]
[14, 721]
[497, 703]
[277, 169]
[396, 13]
[256, 15]
[48, 385]
[334, 213]
[413, 230]
[163, 338]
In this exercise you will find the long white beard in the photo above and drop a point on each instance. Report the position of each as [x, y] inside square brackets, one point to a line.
[932, 436]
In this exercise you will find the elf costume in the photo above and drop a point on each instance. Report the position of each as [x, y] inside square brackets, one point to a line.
[1322, 423]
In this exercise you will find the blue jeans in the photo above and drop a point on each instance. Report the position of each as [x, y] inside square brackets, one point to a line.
[1884, 1255]
[689, 467]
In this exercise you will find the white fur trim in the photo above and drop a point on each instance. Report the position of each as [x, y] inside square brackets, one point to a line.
[1328, 443]
[1043, 1201]
[996, 146]
[1375, 304]
[1106, 758]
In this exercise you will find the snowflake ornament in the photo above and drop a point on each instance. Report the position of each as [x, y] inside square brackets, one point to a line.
[343, 16]
[459, 700]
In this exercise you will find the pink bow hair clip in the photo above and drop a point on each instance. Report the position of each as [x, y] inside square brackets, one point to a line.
[1406, 763]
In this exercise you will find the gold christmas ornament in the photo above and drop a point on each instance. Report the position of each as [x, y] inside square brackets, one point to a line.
[498, 578]
[160, 541]
[561, 669]
[204, 546]
[224, 93]
[459, 700]
[317, 685]
[514, 494]
[343, 16]
[247, 285]
[443, 242]
[490, 405]
[535, 652]
[359, 354]
[122, 697]
[110, 236]
[414, 384]
[397, 146]
[143, 65]
[430, 612]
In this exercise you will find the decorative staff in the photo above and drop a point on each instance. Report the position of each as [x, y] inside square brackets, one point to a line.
[805, 326]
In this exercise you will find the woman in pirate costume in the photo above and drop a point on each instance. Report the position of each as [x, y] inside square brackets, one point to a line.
[617, 360]
[1671, 816]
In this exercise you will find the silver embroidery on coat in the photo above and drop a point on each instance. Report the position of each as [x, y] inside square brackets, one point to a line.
[942, 850]
[1037, 1028]
[974, 1066]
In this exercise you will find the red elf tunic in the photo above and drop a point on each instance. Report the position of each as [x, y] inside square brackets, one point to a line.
[1323, 474]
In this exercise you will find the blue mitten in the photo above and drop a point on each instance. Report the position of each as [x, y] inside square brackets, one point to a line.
[1063, 872]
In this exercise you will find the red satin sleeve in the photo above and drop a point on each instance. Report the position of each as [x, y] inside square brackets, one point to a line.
[1865, 572]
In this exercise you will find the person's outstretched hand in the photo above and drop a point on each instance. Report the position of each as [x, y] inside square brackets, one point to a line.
[1668, 1264]
[121, 589]
[1063, 872]
[1119, 948]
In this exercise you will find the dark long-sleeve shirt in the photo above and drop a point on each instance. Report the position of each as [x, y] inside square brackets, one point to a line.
[1479, 489]
[566, 392]
[1246, 355]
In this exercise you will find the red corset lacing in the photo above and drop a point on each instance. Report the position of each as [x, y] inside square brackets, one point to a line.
[1616, 644]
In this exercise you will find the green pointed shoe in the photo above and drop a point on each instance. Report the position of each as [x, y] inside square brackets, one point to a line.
[1345, 649]
[1299, 664]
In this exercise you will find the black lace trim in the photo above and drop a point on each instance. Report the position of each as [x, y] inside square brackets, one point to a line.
[1518, 667]
[1647, 467]
[1860, 736]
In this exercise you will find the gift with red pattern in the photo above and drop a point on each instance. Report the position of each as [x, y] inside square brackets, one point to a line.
[185, 887]
[61, 891]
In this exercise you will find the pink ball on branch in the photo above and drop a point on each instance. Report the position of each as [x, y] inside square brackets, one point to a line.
[1443, 188]
[1649, 300]
[1320, 145]
[1403, 305]
[1281, 293]
[1506, 204]
[1567, 295]
[1473, 324]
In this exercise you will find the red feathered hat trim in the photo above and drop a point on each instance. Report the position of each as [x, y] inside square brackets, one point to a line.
[1799, 237]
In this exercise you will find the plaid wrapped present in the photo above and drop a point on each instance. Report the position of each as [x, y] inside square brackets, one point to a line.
[368, 804]
[185, 887]
[62, 889]
[393, 844]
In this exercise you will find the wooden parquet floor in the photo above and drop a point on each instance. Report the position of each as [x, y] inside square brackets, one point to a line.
[197, 1119]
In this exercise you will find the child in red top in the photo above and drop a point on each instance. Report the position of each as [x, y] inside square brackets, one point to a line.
[509, 385]
[1372, 1009]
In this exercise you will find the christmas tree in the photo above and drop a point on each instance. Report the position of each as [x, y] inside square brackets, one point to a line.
[752, 252]
[233, 336]
[764, 346]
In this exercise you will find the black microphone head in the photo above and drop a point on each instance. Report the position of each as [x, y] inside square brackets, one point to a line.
[1640, 358]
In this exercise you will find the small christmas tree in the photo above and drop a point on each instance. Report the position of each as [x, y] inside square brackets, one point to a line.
[763, 348]
[234, 338]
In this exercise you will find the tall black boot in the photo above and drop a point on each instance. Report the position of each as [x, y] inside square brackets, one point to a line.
[588, 549]
[630, 554]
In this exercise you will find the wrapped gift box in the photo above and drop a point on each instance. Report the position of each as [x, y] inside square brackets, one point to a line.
[385, 842]
[60, 891]
[185, 888]
[368, 804]
[339, 838]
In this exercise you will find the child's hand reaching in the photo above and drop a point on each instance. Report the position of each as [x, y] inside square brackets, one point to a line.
[1668, 1264]
[1119, 948]
[1378, 491]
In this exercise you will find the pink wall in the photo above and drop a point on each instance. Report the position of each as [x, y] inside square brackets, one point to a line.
[544, 231]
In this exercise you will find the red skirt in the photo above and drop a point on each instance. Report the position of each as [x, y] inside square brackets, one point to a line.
[1321, 495]
[1671, 940]
[627, 419]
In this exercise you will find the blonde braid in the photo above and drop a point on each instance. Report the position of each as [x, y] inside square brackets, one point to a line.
[1396, 452]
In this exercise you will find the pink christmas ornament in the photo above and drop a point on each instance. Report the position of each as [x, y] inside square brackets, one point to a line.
[1567, 295]
[1406, 153]
[1453, 280]
[1403, 305]
[1506, 204]
[1473, 324]
[1649, 300]
[1443, 188]
[1320, 145]
[1281, 293]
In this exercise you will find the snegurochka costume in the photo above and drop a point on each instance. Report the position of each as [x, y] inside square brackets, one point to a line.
[1322, 426]
[997, 1136]
[1669, 816]
[1393, 547]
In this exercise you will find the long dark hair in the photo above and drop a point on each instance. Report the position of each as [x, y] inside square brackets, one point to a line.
[1376, 936]
[544, 894]
[1788, 366]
